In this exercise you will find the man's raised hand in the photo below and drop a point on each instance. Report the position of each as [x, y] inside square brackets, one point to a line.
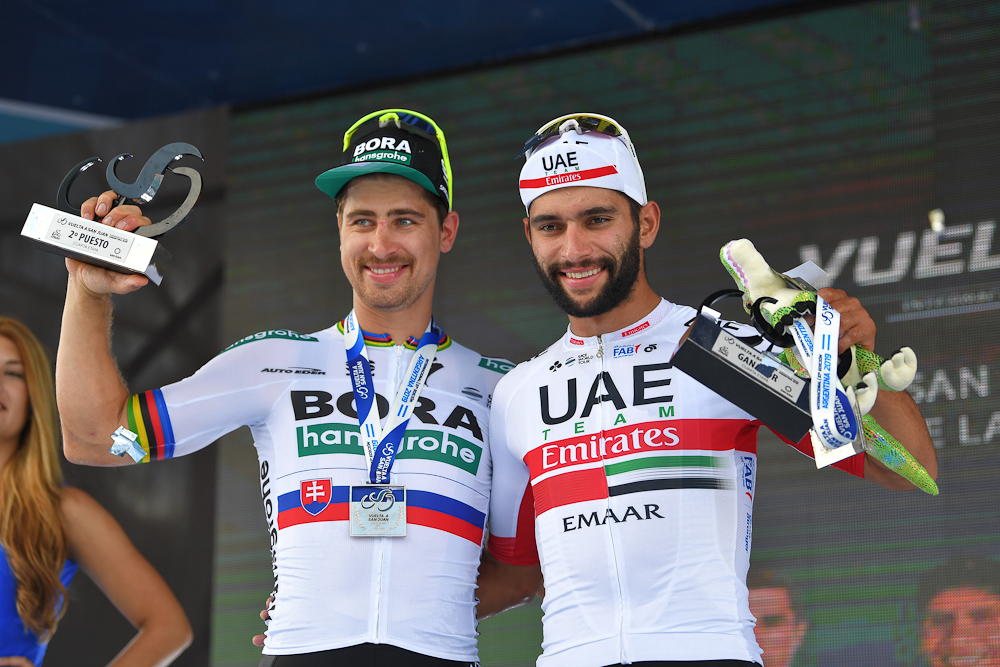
[856, 325]
[128, 217]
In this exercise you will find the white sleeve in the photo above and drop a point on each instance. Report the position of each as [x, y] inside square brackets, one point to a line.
[223, 395]
[512, 505]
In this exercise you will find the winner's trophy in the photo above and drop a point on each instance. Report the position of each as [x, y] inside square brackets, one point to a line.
[761, 382]
[810, 387]
[756, 381]
[62, 231]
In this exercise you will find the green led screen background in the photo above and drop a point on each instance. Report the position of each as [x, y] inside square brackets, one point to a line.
[827, 135]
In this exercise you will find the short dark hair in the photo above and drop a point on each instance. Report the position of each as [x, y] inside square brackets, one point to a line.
[438, 205]
[759, 577]
[958, 571]
[634, 208]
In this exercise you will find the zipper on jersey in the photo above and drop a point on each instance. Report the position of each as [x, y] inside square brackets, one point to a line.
[394, 380]
[614, 551]
[378, 585]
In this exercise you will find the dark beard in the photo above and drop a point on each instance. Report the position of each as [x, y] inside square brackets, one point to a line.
[622, 275]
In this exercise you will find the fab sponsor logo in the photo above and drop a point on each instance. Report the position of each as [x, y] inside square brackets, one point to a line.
[619, 351]
[749, 465]
[333, 438]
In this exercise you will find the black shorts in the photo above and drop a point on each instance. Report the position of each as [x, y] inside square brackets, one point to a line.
[362, 655]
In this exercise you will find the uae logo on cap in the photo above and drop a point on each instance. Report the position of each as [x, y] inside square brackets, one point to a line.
[315, 495]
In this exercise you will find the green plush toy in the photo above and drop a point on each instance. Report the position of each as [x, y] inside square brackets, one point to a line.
[867, 373]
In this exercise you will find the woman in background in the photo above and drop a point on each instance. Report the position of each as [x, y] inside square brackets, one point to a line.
[48, 529]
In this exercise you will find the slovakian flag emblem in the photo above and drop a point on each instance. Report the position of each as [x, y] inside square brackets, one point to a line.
[315, 495]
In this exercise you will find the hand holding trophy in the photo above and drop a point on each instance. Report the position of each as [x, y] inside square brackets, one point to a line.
[110, 243]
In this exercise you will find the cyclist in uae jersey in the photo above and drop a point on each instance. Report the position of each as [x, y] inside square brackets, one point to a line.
[631, 483]
[642, 482]
[339, 599]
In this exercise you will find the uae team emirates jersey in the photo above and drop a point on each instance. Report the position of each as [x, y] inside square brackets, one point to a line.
[332, 590]
[635, 483]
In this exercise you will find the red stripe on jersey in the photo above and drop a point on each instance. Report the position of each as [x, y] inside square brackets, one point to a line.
[717, 435]
[520, 549]
[421, 516]
[570, 487]
[297, 515]
[746, 438]
[154, 422]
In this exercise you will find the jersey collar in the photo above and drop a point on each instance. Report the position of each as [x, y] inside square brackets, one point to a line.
[385, 340]
[633, 331]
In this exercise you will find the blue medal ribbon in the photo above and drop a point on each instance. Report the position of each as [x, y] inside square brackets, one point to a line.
[381, 443]
[834, 420]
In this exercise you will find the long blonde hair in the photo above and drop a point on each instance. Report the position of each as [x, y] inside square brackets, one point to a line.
[31, 527]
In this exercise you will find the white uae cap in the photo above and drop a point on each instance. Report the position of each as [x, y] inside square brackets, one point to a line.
[581, 158]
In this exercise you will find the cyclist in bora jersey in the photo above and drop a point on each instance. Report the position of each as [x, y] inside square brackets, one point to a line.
[376, 526]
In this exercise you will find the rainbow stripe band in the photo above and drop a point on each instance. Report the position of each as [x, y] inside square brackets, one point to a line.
[384, 340]
[148, 417]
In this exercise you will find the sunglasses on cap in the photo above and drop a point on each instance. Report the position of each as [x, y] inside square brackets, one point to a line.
[411, 121]
[583, 122]
[586, 123]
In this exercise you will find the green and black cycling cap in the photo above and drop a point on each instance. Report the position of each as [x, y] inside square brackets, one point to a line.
[394, 141]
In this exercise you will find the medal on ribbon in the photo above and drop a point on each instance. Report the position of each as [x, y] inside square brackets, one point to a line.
[378, 508]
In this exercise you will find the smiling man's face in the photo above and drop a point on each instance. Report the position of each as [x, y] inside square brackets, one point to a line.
[586, 248]
[390, 241]
[962, 627]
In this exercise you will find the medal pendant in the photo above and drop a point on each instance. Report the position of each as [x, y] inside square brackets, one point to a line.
[378, 510]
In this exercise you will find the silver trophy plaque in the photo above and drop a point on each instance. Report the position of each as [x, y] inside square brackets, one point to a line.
[62, 231]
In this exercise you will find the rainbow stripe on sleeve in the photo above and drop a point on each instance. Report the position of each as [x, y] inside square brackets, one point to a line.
[148, 416]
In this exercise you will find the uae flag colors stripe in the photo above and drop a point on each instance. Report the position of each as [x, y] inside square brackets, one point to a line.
[670, 454]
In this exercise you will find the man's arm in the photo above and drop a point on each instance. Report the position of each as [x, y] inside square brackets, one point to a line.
[898, 414]
[89, 390]
[503, 587]
[894, 411]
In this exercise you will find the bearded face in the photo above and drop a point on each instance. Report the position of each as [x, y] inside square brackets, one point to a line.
[620, 268]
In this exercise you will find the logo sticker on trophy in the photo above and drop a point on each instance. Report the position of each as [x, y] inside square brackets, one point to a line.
[62, 231]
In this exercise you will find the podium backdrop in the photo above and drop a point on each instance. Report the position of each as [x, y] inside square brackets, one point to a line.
[826, 135]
